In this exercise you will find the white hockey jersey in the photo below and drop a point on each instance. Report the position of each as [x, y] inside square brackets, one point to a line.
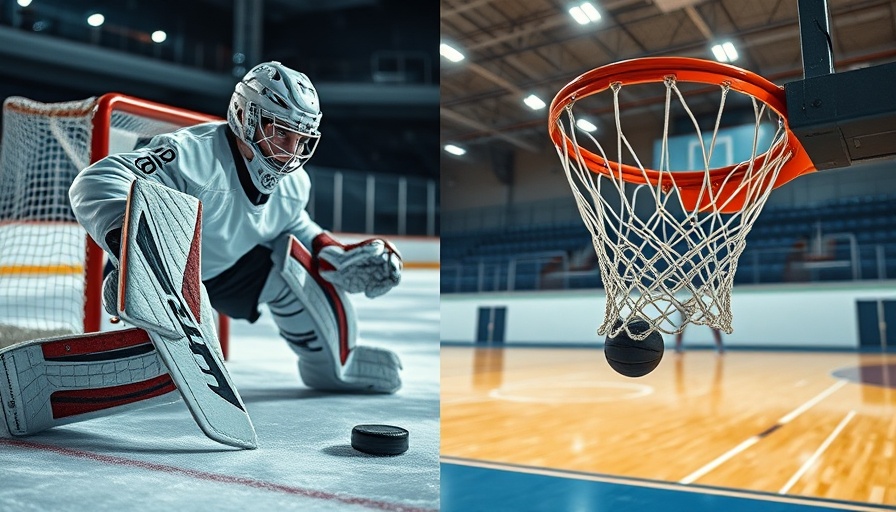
[201, 161]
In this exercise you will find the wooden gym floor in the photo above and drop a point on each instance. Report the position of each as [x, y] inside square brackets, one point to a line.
[782, 426]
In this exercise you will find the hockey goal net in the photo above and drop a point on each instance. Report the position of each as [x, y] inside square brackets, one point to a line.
[50, 271]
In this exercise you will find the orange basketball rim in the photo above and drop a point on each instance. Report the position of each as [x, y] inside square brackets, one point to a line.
[725, 182]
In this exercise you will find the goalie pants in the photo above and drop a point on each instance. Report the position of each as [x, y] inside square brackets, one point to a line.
[236, 291]
[254, 279]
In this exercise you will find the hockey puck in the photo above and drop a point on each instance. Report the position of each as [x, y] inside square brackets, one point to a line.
[380, 439]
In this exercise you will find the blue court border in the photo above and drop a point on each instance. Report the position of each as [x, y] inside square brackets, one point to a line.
[599, 345]
[472, 486]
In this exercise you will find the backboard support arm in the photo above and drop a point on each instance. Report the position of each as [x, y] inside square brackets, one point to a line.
[815, 38]
[839, 118]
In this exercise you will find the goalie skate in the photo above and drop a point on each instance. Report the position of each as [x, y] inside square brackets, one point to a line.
[54, 381]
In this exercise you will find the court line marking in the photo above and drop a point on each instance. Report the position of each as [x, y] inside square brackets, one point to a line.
[787, 418]
[821, 396]
[719, 460]
[517, 392]
[667, 486]
[815, 456]
[215, 477]
[459, 401]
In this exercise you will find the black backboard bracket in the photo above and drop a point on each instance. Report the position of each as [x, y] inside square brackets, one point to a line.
[840, 118]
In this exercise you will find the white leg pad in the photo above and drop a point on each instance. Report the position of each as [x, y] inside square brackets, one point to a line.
[54, 381]
[332, 361]
[161, 291]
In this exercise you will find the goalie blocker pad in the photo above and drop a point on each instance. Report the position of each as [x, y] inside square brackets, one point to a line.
[54, 381]
[160, 290]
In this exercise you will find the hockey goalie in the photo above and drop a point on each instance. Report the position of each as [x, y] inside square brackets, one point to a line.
[250, 242]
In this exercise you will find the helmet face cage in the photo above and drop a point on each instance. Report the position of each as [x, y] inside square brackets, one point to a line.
[283, 145]
[275, 111]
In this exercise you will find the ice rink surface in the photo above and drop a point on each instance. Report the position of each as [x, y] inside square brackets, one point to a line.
[158, 459]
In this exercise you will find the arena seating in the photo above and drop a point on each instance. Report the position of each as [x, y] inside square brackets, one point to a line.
[783, 246]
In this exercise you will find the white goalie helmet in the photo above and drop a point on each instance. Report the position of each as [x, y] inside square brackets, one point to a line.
[276, 112]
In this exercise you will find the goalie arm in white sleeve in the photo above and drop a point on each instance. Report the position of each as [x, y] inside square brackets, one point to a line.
[99, 193]
[372, 266]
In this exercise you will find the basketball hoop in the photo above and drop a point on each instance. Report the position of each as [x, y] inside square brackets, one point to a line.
[668, 240]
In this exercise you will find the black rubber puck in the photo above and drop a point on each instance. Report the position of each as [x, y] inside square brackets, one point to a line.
[380, 439]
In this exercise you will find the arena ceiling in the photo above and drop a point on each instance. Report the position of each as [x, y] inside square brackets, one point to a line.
[373, 61]
[515, 48]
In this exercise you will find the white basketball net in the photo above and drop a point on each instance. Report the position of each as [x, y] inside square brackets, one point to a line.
[659, 260]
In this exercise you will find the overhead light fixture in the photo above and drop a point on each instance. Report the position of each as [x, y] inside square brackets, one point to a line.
[591, 11]
[95, 20]
[730, 51]
[725, 52]
[450, 53]
[586, 125]
[534, 102]
[159, 36]
[455, 150]
[24, 3]
[585, 13]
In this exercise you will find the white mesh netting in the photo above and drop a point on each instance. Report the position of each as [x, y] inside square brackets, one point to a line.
[664, 259]
[42, 248]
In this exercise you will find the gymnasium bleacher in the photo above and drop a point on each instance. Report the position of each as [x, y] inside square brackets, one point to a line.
[847, 239]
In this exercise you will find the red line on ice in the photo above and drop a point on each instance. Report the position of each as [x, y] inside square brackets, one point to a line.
[213, 477]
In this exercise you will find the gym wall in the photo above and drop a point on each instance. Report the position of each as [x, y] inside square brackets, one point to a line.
[765, 316]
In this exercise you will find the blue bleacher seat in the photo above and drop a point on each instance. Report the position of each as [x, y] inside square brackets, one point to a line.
[871, 218]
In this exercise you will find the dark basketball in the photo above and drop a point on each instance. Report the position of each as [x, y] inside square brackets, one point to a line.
[630, 357]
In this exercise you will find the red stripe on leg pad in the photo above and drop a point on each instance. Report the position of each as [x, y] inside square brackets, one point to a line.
[82, 401]
[192, 278]
[123, 250]
[323, 239]
[298, 252]
[93, 343]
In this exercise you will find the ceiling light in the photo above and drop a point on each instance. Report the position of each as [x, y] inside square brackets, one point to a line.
[24, 3]
[534, 102]
[159, 36]
[730, 51]
[584, 13]
[450, 53]
[586, 125]
[719, 53]
[579, 15]
[95, 20]
[455, 150]
[725, 52]
[591, 11]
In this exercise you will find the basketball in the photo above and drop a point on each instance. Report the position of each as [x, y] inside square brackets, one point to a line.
[630, 357]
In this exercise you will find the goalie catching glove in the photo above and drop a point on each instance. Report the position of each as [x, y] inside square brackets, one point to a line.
[372, 266]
